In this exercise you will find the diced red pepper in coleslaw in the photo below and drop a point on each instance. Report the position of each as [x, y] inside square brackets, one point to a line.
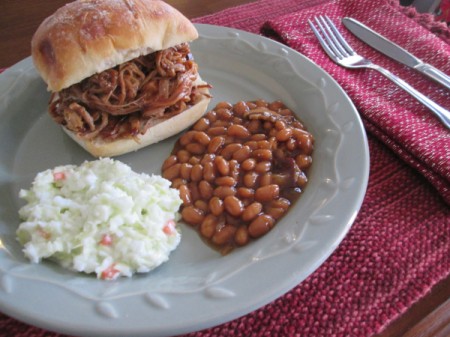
[169, 227]
[58, 176]
[110, 273]
[106, 240]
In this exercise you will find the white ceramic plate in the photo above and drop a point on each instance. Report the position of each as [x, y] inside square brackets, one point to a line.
[197, 288]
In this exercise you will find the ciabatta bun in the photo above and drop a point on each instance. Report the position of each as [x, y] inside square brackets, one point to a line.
[89, 36]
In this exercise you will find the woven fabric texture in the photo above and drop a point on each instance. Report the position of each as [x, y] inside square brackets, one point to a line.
[399, 245]
[395, 117]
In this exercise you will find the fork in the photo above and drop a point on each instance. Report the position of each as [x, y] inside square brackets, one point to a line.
[343, 54]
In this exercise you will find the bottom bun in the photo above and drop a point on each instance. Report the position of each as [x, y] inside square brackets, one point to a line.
[154, 134]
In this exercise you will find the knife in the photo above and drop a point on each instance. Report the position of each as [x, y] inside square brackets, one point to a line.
[394, 51]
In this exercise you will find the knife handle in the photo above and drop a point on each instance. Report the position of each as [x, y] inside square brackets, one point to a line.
[440, 112]
[434, 73]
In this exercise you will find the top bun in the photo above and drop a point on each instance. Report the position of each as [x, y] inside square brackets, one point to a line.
[89, 36]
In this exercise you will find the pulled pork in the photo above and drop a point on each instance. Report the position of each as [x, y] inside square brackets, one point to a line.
[124, 101]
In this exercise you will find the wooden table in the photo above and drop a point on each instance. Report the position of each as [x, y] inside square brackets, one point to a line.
[20, 18]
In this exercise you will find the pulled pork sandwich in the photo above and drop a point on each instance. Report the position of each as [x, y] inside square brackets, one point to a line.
[121, 73]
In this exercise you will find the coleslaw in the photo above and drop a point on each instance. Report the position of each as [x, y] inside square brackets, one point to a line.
[100, 217]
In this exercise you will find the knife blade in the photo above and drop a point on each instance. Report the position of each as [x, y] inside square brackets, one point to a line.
[394, 51]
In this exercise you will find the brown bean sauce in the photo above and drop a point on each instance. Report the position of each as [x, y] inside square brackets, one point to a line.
[239, 169]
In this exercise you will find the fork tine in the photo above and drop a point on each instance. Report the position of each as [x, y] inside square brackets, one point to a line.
[325, 45]
[338, 35]
[330, 38]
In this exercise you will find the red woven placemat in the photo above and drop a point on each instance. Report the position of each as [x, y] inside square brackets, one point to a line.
[397, 249]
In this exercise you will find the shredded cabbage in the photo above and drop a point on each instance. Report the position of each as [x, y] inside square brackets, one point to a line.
[100, 217]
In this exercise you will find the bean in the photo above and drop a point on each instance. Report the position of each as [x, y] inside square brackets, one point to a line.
[212, 116]
[187, 138]
[290, 144]
[306, 146]
[234, 169]
[217, 131]
[250, 179]
[262, 154]
[263, 167]
[258, 137]
[222, 165]
[252, 144]
[185, 170]
[302, 180]
[242, 154]
[195, 193]
[240, 108]
[252, 211]
[261, 103]
[177, 182]
[237, 120]
[224, 114]
[224, 191]
[208, 226]
[266, 179]
[254, 126]
[192, 215]
[300, 135]
[241, 236]
[275, 212]
[238, 131]
[201, 205]
[197, 173]
[280, 125]
[251, 105]
[267, 193]
[208, 172]
[208, 157]
[223, 235]
[224, 105]
[233, 205]
[284, 134]
[230, 149]
[183, 156]
[172, 172]
[273, 143]
[260, 226]
[215, 144]
[282, 179]
[195, 148]
[303, 161]
[205, 189]
[248, 164]
[285, 112]
[170, 161]
[202, 124]
[263, 144]
[220, 122]
[281, 203]
[245, 193]
[226, 181]
[216, 206]
[276, 105]
[194, 160]
[185, 195]
[202, 138]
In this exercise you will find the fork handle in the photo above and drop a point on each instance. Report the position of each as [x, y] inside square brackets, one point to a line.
[440, 112]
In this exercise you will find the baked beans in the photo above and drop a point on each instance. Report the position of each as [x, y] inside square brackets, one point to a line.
[239, 169]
